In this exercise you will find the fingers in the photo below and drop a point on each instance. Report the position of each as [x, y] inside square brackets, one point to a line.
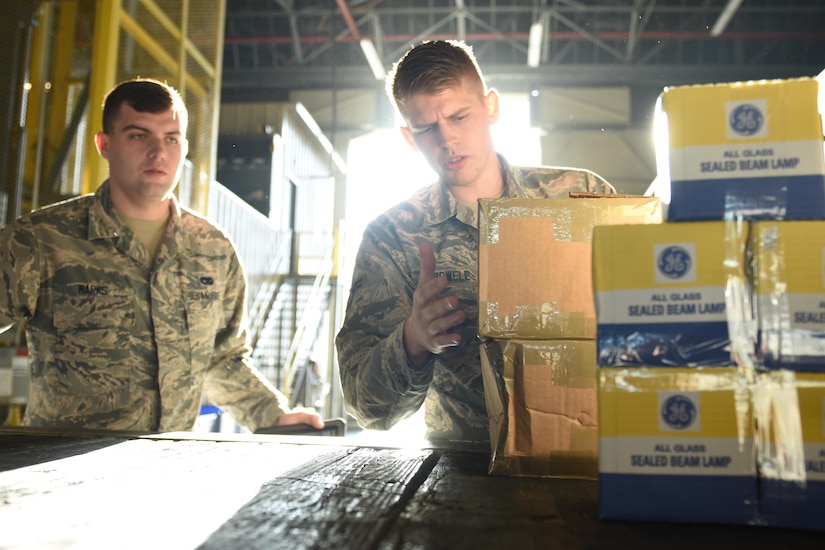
[440, 338]
[430, 287]
[426, 331]
[301, 416]
[440, 315]
[430, 290]
[315, 421]
[427, 264]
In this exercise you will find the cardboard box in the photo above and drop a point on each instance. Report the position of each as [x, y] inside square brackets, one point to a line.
[542, 402]
[789, 293]
[660, 292]
[676, 444]
[748, 148]
[535, 262]
[792, 475]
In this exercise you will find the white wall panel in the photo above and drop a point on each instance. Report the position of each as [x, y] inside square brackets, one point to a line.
[583, 106]
[623, 157]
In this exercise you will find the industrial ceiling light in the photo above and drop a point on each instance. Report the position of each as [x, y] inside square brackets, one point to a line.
[534, 44]
[725, 17]
[373, 59]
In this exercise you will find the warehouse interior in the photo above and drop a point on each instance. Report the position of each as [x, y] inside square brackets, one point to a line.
[287, 104]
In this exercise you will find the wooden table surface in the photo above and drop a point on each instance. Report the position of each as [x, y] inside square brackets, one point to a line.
[173, 491]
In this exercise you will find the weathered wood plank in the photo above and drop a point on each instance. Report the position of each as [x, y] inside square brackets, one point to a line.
[140, 493]
[461, 507]
[20, 451]
[179, 492]
[347, 503]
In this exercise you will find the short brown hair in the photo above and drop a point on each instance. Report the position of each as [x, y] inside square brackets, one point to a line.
[433, 66]
[145, 96]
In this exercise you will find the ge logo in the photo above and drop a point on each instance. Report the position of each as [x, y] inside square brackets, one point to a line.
[678, 412]
[746, 119]
[673, 262]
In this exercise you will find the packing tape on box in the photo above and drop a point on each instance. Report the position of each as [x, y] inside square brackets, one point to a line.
[778, 437]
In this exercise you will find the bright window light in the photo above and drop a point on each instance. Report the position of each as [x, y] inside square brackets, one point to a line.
[660, 187]
[534, 45]
[513, 134]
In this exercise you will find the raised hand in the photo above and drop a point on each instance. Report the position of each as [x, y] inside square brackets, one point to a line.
[426, 330]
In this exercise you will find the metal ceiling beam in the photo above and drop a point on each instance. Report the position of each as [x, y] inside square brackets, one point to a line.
[725, 17]
[592, 43]
[636, 25]
[524, 35]
[511, 77]
[461, 20]
[345, 13]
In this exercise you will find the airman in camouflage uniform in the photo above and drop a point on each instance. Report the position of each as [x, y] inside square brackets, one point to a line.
[410, 338]
[118, 338]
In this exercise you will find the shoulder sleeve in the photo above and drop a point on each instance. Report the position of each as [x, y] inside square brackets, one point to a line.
[380, 386]
[597, 184]
[232, 381]
[19, 273]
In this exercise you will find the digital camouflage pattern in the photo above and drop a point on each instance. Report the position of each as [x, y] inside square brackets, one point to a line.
[117, 342]
[380, 386]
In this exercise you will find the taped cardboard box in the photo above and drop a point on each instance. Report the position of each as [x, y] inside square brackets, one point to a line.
[542, 403]
[789, 292]
[660, 292]
[790, 410]
[712, 445]
[753, 149]
[676, 444]
[534, 269]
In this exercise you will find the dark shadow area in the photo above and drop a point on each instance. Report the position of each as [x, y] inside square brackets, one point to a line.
[27, 447]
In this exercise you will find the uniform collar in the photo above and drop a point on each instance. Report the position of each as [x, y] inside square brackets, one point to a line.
[105, 224]
[513, 187]
[444, 205]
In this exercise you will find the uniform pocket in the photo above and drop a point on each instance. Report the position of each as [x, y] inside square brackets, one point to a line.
[95, 329]
[204, 318]
[114, 310]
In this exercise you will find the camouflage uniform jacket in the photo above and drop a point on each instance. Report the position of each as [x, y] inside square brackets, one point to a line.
[117, 342]
[380, 386]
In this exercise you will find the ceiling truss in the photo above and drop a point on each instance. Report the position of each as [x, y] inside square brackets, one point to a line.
[274, 46]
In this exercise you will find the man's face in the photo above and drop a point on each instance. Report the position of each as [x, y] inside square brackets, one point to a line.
[451, 129]
[145, 153]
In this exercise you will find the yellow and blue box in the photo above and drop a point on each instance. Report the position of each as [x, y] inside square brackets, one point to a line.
[534, 272]
[789, 293]
[660, 292]
[750, 148]
[676, 444]
[791, 410]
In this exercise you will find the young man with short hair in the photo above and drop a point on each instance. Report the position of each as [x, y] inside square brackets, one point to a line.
[134, 306]
[409, 335]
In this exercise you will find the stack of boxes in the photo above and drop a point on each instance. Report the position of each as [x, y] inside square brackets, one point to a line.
[675, 433]
[538, 327]
[789, 303]
[711, 327]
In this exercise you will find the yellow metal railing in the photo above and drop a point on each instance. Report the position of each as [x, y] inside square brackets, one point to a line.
[179, 42]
